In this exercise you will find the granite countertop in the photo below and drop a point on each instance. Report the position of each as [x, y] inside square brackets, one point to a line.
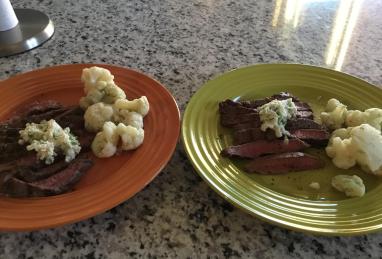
[183, 44]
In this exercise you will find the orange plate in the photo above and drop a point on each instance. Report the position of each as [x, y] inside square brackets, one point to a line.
[110, 181]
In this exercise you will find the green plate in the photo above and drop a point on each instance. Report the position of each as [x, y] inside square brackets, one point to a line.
[284, 200]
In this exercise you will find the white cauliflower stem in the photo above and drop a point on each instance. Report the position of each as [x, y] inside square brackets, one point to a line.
[96, 115]
[131, 137]
[105, 142]
[140, 105]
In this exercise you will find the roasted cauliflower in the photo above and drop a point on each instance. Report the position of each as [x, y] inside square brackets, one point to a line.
[129, 118]
[105, 142]
[96, 115]
[96, 78]
[372, 116]
[99, 87]
[131, 137]
[352, 186]
[360, 145]
[334, 115]
[140, 105]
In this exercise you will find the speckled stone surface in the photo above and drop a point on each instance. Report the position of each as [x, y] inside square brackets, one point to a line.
[183, 44]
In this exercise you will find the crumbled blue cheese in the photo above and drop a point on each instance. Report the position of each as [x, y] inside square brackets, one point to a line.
[275, 114]
[47, 138]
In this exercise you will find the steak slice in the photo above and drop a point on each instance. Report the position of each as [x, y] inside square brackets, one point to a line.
[284, 96]
[301, 106]
[56, 184]
[262, 147]
[85, 139]
[230, 120]
[302, 123]
[247, 125]
[9, 131]
[252, 134]
[284, 163]
[316, 138]
[75, 123]
[33, 108]
[28, 174]
[229, 106]
[19, 121]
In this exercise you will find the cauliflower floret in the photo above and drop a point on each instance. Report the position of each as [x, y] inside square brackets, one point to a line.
[371, 116]
[341, 149]
[99, 87]
[361, 144]
[368, 141]
[140, 105]
[108, 94]
[334, 115]
[96, 78]
[113, 93]
[352, 186]
[314, 185]
[96, 115]
[129, 118]
[93, 96]
[105, 142]
[131, 137]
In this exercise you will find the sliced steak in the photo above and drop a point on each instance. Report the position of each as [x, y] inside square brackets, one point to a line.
[230, 120]
[10, 132]
[32, 109]
[85, 140]
[20, 121]
[56, 184]
[316, 138]
[301, 106]
[29, 174]
[229, 106]
[262, 147]
[11, 151]
[256, 103]
[284, 96]
[39, 107]
[74, 122]
[284, 163]
[4, 139]
[70, 112]
[252, 134]
[302, 123]
[247, 125]
[24, 166]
